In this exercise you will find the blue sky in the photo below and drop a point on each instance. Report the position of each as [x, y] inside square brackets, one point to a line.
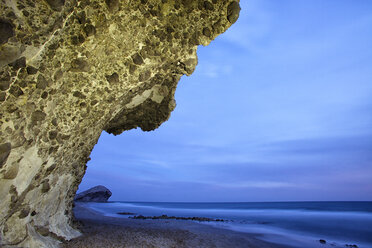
[278, 109]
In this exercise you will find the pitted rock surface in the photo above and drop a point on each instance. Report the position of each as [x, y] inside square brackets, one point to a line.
[70, 69]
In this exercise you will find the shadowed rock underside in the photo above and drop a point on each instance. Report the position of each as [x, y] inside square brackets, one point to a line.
[69, 70]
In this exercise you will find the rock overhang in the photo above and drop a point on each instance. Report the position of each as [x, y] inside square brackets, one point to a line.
[70, 69]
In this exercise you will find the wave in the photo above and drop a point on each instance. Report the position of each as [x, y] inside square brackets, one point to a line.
[335, 223]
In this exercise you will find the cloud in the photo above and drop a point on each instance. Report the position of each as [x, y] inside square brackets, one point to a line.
[256, 184]
[214, 69]
[252, 27]
[358, 148]
[278, 108]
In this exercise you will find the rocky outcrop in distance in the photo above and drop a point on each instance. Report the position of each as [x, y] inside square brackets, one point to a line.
[70, 69]
[96, 194]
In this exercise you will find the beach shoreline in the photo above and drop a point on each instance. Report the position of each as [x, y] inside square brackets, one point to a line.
[104, 231]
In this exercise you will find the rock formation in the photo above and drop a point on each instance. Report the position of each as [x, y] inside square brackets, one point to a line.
[96, 194]
[70, 69]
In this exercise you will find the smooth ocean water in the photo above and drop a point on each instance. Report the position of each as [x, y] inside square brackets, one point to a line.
[295, 224]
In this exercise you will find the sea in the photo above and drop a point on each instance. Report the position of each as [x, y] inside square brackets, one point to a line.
[292, 224]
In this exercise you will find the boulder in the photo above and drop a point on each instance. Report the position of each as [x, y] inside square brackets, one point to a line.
[96, 194]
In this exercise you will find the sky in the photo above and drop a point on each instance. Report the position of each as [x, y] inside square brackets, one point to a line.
[279, 108]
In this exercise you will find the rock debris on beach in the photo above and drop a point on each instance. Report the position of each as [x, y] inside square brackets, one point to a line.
[103, 231]
[126, 213]
[166, 217]
[351, 246]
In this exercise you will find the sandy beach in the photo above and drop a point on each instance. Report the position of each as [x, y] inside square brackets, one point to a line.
[102, 231]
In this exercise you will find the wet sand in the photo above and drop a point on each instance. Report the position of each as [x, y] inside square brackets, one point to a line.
[102, 231]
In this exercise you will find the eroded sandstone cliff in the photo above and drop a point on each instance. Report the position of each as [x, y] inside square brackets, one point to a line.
[69, 70]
